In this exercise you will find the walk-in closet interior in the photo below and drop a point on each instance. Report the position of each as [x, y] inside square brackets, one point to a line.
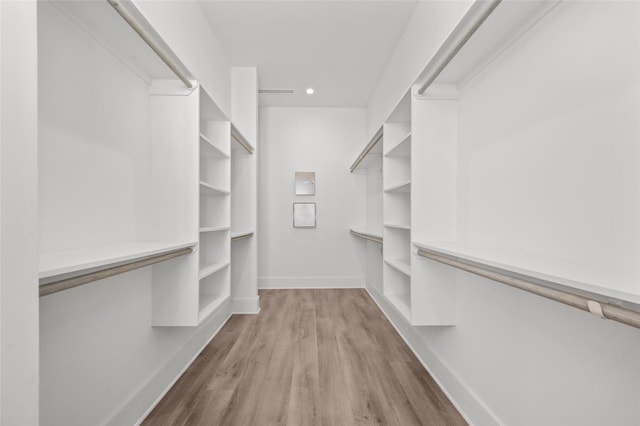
[466, 248]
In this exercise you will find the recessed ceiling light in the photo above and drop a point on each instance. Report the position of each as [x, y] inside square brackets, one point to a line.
[310, 91]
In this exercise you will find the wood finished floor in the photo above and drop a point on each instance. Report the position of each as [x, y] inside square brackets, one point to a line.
[311, 357]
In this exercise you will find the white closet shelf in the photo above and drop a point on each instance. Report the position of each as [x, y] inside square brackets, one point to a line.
[401, 265]
[241, 235]
[85, 260]
[402, 149]
[397, 226]
[211, 269]
[210, 149]
[402, 303]
[209, 305]
[400, 187]
[208, 189]
[214, 229]
[558, 274]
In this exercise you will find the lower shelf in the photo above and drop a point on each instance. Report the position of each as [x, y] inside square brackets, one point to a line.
[401, 265]
[207, 270]
[561, 273]
[402, 303]
[397, 289]
[80, 261]
[214, 290]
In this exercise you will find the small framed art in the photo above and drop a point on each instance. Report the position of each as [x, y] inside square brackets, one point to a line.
[305, 183]
[304, 215]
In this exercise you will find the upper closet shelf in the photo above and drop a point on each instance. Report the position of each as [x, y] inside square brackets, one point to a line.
[208, 189]
[524, 271]
[214, 229]
[373, 147]
[461, 57]
[402, 149]
[83, 261]
[210, 149]
[401, 187]
[242, 143]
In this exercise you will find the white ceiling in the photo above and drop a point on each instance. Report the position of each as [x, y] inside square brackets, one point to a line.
[339, 48]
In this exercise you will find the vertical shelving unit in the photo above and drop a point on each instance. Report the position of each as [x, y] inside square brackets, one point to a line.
[397, 208]
[188, 292]
[214, 207]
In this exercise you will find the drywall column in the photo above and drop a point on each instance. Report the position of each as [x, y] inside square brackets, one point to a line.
[244, 201]
[18, 220]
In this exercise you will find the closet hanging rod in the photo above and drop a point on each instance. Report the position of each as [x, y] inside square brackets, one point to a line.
[369, 237]
[69, 283]
[478, 13]
[367, 149]
[242, 142]
[242, 236]
[603, 309]
[138, 28]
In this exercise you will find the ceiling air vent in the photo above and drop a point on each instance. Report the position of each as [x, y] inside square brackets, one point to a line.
[276, 91]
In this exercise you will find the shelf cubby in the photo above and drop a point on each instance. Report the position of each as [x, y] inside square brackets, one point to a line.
[214, 291]
[208, 189]
[397, 185]
[397, 289]
[209, 149]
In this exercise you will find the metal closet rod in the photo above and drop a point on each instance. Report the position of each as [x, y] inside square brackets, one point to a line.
[138, 28]
[456, 41]
[242, 236]
[602, 309]
[68, 283]
[367, 149]
[242, 142]
[366, 236]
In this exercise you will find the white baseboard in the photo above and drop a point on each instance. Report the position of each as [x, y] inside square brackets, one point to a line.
[149, 394]
[310, 282]
[464, 399]
[246, 306]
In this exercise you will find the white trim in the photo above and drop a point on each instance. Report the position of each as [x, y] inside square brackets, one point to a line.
[246, 306]
[310, 282]
[165, 377]
[466, 401]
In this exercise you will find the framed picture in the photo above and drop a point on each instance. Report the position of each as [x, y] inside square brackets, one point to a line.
[305, 183]
[304, 215]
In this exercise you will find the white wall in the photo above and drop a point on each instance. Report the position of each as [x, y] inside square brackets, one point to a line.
[320, 140]
[428, 27]
[18, 201]
[184, 28]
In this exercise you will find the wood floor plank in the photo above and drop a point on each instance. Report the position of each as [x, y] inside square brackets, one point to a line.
[311, 357]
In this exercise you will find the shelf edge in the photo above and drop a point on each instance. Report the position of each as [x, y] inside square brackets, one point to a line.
[603, 306]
